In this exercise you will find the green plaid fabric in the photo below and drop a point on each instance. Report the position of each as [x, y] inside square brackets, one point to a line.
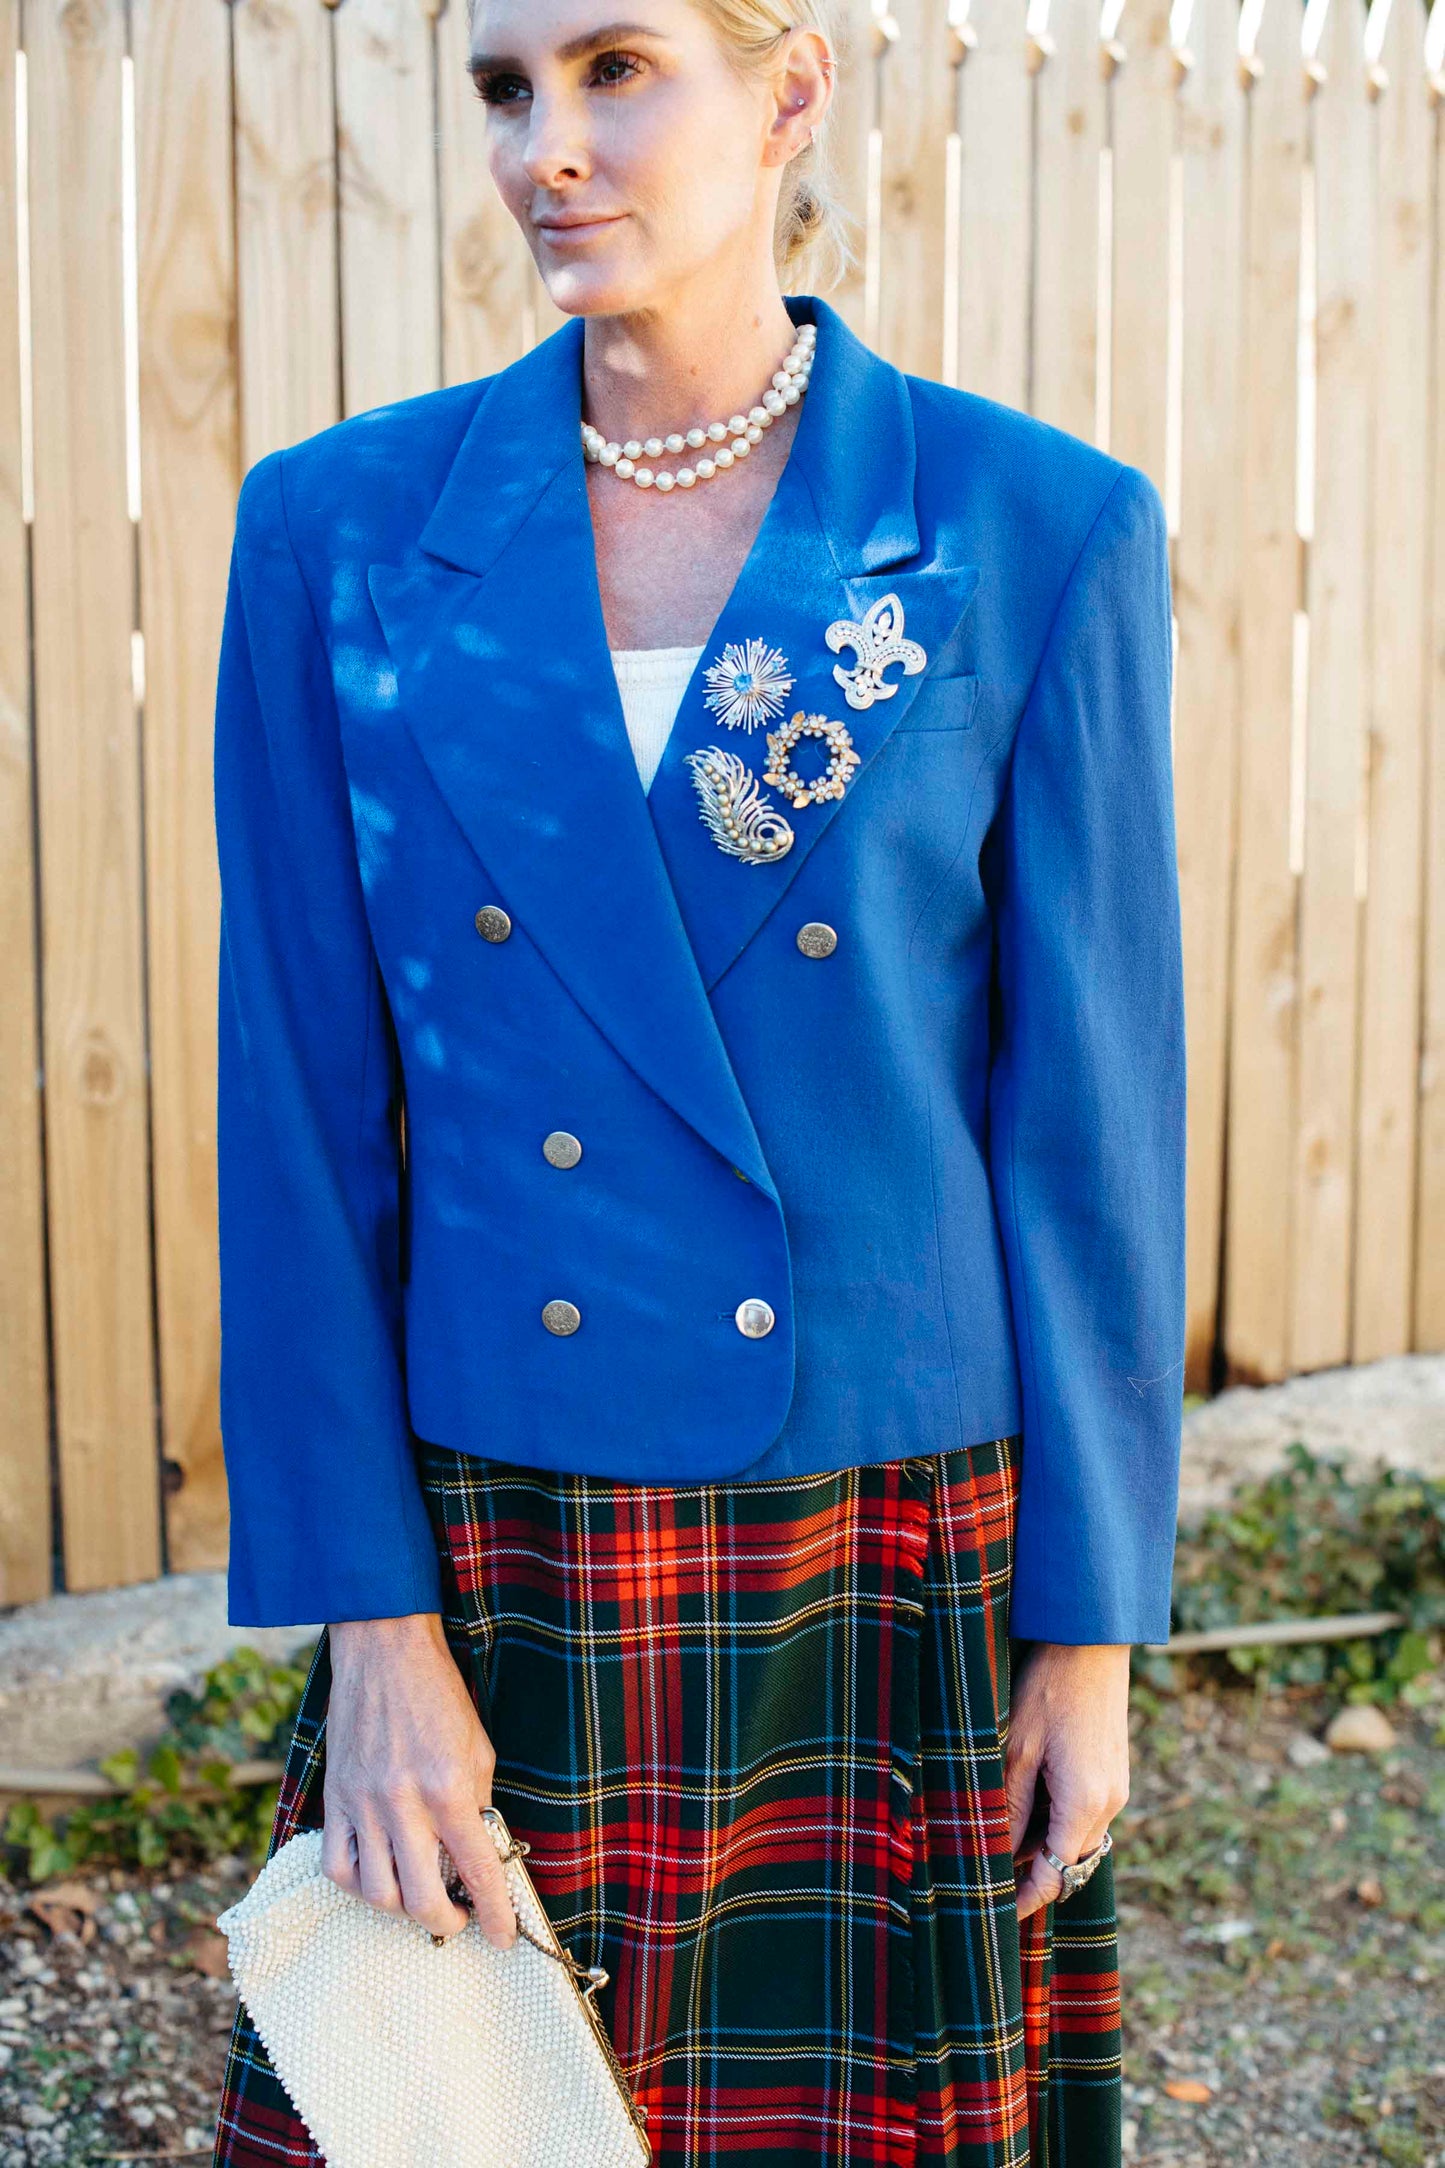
[754, 1734]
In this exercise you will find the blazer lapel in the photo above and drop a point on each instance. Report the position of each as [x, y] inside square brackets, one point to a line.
[495, 630]
[787, 596]
[840, 533]
[499, 646]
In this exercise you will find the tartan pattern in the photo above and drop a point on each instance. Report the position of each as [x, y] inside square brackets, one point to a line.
[754, 1733]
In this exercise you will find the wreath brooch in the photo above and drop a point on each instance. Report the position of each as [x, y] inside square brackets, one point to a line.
[805, 790]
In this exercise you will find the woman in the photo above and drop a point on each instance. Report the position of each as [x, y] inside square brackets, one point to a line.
[702, 1253]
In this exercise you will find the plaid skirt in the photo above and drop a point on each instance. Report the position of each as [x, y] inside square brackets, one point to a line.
[754, 1733]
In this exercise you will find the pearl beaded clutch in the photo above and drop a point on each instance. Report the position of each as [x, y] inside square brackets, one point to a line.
[401, 2051]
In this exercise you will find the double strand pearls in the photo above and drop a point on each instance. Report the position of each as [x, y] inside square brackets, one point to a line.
[787, 388]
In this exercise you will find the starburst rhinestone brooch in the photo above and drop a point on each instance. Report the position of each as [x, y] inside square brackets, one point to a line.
[747, 684]
[738, 814]
[804, 790]
[879, 641]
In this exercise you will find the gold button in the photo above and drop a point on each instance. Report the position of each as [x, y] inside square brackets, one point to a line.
[561, 1148]
[816, 939]
[754, 1318]
[561, 1317]
[493, 923]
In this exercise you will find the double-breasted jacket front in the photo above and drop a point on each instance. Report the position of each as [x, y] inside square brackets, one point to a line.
[881, 1137]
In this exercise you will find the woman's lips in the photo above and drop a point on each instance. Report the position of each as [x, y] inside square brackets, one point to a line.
[581, 230]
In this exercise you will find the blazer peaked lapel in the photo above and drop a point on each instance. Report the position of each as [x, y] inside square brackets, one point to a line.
[791, 589]
[499, 645]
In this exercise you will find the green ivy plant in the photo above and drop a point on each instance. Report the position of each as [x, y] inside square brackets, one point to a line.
[1310, 1541]
[179, 1802]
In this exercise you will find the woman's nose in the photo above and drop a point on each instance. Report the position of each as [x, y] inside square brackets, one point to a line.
[556, 147]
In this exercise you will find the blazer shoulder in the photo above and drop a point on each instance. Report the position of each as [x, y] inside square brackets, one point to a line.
[370, 478]
[1008, 475]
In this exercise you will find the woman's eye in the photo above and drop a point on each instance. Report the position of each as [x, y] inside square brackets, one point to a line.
[608, 69]
[496, 89]
[606, 62]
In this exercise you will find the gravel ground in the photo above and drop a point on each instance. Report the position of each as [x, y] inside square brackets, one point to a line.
[115, 2007]
[1282, 1934]
[1282, 1925]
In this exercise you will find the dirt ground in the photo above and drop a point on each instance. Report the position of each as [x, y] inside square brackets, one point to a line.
[1282, 1914]
[1282, 1935]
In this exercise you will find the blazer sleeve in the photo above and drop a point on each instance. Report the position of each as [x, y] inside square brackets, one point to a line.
[1087, 1093]
[327, 1517]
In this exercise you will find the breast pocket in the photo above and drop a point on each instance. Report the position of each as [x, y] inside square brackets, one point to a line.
[945, 701]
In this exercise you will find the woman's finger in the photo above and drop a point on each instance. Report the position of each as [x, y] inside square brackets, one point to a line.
[1070, 1835]
[479, 1864]
[1020, 1784]
[338, 1850]
[375, 1865]
[414, 1846]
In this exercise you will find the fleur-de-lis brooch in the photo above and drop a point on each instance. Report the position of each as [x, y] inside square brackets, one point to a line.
[741, 820]
[748, 684]
[878, 640]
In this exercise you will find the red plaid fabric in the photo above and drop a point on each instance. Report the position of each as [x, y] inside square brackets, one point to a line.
[753, 1733]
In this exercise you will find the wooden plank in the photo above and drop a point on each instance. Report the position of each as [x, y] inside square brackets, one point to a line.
[385, 129]
[1336, 597]
[487, 272]
[89, 769]
[190, 447]
[1265, 989]
[285, 183]
[25, 1532]
[1207, 610]
[1390, 995]
[919, 86]
[1068, 140]
[986, 313]
[1429, 1305]
[864, 30]
[1141, 127]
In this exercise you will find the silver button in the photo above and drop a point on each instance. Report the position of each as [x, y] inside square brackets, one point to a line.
[561, 1317]
[561, 1149]
[754, 1317]
[816, 939]
[493, 923]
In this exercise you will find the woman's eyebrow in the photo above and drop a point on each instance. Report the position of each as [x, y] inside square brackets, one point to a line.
[573, 49]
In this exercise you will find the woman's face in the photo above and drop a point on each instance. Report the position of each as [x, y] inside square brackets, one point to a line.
[628, 149]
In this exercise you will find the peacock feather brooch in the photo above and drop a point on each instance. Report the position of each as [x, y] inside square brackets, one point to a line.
[742, 821]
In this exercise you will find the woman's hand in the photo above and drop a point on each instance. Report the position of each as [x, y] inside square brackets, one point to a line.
[1069, 1723]
[409, 1766]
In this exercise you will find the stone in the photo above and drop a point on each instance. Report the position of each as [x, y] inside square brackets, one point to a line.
[1360, 1728]
[1392, 1411]
[84, 1676]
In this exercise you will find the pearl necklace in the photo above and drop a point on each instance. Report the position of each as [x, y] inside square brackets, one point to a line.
[787, 388]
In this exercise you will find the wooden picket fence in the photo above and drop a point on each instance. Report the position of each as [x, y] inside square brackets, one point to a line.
[1206, 237]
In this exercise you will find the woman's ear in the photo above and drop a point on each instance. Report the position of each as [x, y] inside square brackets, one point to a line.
[804, 92]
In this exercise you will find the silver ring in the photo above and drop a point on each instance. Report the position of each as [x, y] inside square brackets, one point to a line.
[1077, 1875]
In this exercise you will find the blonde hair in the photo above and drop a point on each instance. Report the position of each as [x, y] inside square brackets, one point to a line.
[811, 244]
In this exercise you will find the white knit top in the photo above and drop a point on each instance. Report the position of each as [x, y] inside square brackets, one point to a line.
[651, 681]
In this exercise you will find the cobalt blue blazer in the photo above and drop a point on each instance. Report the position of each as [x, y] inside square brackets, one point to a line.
[948, 1155]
